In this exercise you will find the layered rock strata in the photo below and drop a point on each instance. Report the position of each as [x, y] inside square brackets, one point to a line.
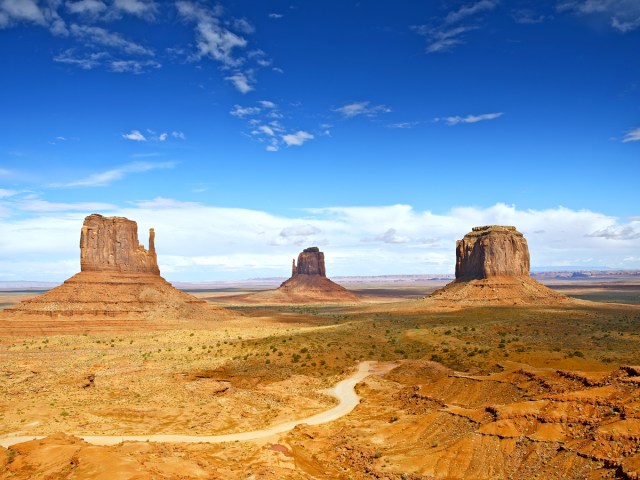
[492, 268]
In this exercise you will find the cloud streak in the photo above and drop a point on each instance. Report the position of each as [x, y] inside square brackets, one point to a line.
[102, 179]
[469, 118]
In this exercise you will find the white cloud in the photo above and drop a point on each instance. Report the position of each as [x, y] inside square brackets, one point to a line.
[86, 62]
[622, 15]
[106, 178]
[163, 136]
[4, 193]
[365, 108]
[213, 40]
[102, 37]
[469, 118]
[133, 66]
[403, 125]
[241, 112]
[243, 25]
[38, 205]
[140, 8]
[178, 135]
[266, 130]
[240, 82]
[617, 232]
[470, 10]
[253, 243]
[391, 236]
[300, 231]
[275, 15]
[632, 136]
[86, 7]
[20, 11]
[449, 32]
[135, 135]
[297, 139]
[267, 104]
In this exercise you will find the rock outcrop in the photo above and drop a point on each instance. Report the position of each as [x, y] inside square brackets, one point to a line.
[492, 251]
[110, 244]
[310, 262]
[119, 281]
[308, 284]
[492, 268]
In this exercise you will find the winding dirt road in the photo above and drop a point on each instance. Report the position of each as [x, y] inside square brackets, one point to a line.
[344, 391]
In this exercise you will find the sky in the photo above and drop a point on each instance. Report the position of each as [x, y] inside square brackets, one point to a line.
[381, 131]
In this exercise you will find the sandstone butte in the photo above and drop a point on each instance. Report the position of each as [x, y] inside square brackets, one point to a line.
[492, 268]
[308, 283]
[119, 281]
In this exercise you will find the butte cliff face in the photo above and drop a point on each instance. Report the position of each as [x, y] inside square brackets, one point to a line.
[310, 262]
[492, 268]
[119, 281]
[492, 251]
[110, 244]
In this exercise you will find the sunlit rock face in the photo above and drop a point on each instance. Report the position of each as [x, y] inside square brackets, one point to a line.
[110, 244]
[492, 251]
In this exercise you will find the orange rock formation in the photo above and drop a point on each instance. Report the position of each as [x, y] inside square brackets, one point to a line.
[119, 280]
[492, 267]
[308, 284]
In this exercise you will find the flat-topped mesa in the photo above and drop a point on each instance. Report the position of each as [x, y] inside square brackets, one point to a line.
[492, 251]
[110, 244]
[310, 262]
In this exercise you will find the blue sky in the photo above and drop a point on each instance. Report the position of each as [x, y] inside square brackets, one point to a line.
[381, 131]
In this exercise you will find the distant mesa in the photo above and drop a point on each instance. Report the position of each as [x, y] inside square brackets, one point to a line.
[119, 281]
[492, 268]
[308, 284]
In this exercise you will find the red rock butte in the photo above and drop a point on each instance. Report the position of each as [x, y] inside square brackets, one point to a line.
[119, 282]
[308, 284]
[492, 268]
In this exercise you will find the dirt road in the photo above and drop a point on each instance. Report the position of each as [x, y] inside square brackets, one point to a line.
[343, 391]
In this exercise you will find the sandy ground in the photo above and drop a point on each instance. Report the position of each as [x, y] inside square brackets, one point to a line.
[481, 393]
[343, 391]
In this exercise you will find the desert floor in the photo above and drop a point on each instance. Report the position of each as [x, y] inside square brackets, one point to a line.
[528, 392]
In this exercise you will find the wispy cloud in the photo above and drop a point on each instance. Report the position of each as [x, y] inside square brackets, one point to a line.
[241, 112]
[134, 135]
[527, 16]
[106, 178]
[364, 108]
[275, 15]
[133, 66]
[297, 139]
[86, 7]
[241, 82]
[213, 39]
[632, 136]
[622, 15]
[469, 118]
[449, 32]
[146, 9]
[103, 37]
[403, 125]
